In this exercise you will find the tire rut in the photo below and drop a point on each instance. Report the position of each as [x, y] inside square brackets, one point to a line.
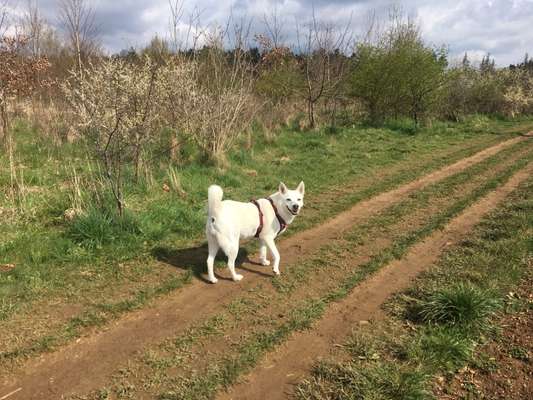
[72, 368]
[275, 377]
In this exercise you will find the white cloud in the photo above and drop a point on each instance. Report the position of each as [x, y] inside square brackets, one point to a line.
[502, 27]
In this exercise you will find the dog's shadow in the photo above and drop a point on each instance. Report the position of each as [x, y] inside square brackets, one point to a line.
[194, 259]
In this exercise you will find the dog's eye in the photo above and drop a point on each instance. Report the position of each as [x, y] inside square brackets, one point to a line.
[288, 199]
[299, 200]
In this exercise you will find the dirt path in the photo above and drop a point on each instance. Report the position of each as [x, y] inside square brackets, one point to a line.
[88, 363]
[275, 377]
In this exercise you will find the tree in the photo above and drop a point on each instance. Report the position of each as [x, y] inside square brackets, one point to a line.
[77, 19]
[4, 17]
[220, 104]
[33, 25]
[158, 49]
[18, 74]
[487, 65]
[321, 49]
[397, 75]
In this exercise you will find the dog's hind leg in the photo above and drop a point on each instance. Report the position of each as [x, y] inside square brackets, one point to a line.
[263, 253]
[232, 253]
[275, 254]
[213, 247]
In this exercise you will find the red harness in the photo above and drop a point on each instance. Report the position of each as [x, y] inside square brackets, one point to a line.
[281, 221]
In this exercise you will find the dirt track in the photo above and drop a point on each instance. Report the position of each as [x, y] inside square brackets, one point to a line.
[274, 378]
[72, 368]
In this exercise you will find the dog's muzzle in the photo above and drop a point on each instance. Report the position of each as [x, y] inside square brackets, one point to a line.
[295, 209]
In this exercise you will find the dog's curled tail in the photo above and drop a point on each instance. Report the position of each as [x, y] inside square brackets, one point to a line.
[214, 200]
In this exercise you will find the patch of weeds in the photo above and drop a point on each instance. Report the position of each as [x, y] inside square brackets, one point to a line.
[519, 353]
[406, 126]
[462, 304]
[349, 381]
[484, 363]
[442, 348]
[97, 228]
[362, 347]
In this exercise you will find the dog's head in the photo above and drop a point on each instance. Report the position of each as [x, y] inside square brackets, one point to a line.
[293, 199]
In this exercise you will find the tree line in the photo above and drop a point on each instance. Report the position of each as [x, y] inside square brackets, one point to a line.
[211, 86]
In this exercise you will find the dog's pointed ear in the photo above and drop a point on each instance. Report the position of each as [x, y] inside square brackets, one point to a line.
[301, 187]
[282, 188]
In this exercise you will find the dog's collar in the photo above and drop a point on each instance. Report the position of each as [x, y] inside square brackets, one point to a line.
[282, 223]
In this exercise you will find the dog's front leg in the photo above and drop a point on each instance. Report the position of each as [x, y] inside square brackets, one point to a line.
[275, 254]
[263, 253]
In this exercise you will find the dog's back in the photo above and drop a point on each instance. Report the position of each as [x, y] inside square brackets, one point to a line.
[230, 218]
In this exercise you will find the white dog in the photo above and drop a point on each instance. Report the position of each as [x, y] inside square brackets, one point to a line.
[229, 221]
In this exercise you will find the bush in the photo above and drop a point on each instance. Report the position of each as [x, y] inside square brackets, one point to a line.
[398, 74]
[402, 125]
[116, 105]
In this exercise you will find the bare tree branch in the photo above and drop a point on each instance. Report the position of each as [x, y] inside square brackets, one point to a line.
[78, 21]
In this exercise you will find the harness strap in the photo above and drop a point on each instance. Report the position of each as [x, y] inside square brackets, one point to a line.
[282, 223]
[260, 227]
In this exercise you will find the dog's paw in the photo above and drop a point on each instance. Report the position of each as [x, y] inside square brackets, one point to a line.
[237, 277]
[265, 262]
[214, 280]
[276, 272]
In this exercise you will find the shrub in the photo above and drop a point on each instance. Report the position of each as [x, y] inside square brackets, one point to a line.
[209, 98]
[115, 102]
[398, 74]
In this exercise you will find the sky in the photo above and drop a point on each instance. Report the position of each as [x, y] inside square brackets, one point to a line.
[503, 28]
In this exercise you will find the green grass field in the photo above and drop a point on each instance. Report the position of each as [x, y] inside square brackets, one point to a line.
[64, 278]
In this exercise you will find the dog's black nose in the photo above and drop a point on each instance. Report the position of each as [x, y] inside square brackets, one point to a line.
[295, 207]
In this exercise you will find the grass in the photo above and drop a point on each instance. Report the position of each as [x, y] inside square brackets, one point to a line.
[441, 348]
[97, 228]
[446, 190]
[224, 371]
[378, 382]
[96, 251]
[460, 294]
[50, 253]
[461, 304]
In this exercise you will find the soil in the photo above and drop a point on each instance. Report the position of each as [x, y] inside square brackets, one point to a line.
[276, 376]
[87, 363]
[47, 316]
[510, 375]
